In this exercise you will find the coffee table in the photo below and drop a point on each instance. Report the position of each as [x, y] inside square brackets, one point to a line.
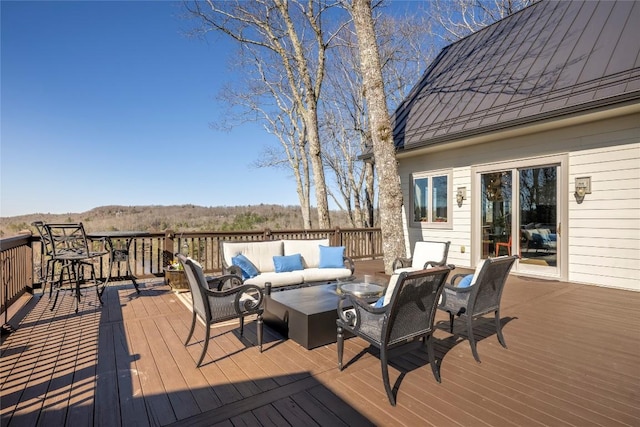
[307, 315]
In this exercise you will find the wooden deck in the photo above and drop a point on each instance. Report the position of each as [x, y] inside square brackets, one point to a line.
[573, 359]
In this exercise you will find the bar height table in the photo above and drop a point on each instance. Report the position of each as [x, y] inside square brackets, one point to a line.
[118, 245]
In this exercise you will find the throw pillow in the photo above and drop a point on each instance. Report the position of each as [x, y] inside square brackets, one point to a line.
[248, 269]
[287, 263]
[331, 256]
[379, 303]
[466, 281]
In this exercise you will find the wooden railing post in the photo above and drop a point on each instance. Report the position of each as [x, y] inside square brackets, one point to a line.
[167, 253]
[337, 238]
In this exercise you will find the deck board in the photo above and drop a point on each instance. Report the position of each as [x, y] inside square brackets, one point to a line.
[571, 360]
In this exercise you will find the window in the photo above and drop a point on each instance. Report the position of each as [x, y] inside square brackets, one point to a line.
[431, 199]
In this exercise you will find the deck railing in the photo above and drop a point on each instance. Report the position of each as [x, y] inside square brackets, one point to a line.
[16, 259]
[22, 256]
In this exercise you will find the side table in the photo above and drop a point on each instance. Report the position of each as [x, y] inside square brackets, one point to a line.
[176, 279]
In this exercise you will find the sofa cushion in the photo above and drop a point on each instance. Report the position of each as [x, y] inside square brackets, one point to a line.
[286, 263]
[259, 253]
[308, 249]
[325, 274]
[247, 267]
[466, 281]
[277, 279]
[331, 256]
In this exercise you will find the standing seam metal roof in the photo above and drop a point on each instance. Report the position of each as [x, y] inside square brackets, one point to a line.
[549, 59]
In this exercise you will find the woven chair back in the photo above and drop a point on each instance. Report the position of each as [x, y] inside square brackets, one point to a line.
[413, 304]
[489, 285]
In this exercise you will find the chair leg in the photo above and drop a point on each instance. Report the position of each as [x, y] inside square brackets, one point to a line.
[451, 317]
[48, 277]
[77, 277]
[432, 358]
[193, 326]
[340, 345]
[95, 282]
[206, 344]
[385, 376]
[241, 325]
[499, 330]
[65, 267]
[259, 326]
[472, 340]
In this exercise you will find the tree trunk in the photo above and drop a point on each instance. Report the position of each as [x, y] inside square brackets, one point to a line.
[370, 195]
[390, 193]
[317, 168]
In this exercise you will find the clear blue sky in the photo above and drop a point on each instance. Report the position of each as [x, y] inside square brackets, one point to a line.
[109, 103]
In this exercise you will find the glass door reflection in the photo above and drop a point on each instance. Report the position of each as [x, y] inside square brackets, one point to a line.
[538, 217]
[496, 206]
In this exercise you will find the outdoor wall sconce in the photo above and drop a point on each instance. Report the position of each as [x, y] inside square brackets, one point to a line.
[582, 187]
[461, 195]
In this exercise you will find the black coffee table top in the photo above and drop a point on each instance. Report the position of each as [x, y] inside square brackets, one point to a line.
[309, 300]
[322, 298]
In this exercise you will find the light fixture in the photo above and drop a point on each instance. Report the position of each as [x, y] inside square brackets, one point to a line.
[461, 195]
[582, 187]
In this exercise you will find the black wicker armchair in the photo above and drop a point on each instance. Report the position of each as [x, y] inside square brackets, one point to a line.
[220, 299]
[409, 314]
[481, 297]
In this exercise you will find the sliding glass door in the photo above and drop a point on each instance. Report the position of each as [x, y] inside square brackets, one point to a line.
[519, 214]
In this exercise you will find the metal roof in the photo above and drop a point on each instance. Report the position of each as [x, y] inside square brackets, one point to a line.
[550, 59]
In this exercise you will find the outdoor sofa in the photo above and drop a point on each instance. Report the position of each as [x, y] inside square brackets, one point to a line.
[539, 236]
[286, 262]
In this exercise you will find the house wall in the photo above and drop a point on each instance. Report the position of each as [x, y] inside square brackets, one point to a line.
[600, 242]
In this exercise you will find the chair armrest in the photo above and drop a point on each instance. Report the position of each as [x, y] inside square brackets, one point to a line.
[459, 297]
[224, 282]
[348, 262]
[455, 278]
[359, 305]
[401, 263]
[251, 303]
[432, 264]
[458, 290]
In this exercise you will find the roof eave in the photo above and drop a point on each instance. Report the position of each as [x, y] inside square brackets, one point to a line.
[613, 105]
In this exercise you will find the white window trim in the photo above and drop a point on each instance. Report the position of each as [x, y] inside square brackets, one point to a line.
[448, 173]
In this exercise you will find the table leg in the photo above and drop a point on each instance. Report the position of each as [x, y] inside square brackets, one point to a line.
[119, 255]
[129, 269]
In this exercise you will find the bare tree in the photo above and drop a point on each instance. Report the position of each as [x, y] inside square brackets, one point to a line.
[268, 96]
[393, 244]
[281, 27]
[458, 18]
[404, 50]
[345, 129]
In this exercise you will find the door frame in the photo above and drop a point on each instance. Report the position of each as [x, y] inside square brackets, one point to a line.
[561, 161]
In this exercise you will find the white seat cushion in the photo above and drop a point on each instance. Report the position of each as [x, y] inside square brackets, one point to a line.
[322, 274]
[427, 251]
[309, 249]
[277, 279]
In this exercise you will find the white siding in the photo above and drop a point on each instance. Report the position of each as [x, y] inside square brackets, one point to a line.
[601, 235]
[604, 230]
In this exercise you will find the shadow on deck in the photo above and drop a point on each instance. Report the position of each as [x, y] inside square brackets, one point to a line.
[571, 360]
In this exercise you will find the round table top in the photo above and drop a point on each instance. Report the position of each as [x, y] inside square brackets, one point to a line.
[361, 289]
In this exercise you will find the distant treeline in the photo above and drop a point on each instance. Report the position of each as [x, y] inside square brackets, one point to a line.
[177, 218]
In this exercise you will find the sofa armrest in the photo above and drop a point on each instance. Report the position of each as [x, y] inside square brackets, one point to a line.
[348, 263]
[232, 269]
